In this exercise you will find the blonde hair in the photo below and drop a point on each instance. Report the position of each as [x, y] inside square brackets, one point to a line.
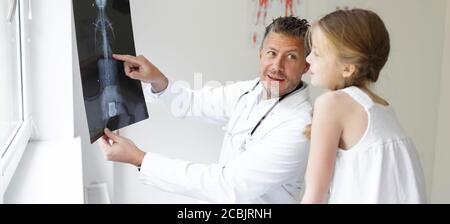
[357, 37]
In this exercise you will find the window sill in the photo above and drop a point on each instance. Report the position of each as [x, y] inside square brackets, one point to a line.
[9, 131]
[11, 158]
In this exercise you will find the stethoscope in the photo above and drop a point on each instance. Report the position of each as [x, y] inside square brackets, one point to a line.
[300, 86]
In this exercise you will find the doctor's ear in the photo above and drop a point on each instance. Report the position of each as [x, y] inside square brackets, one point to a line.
[348, 70]
[307, 65]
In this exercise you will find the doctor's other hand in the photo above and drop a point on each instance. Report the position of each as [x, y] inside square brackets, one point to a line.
[120, 149]
[142, 69]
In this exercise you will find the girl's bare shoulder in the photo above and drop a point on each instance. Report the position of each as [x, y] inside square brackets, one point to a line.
[336, 104]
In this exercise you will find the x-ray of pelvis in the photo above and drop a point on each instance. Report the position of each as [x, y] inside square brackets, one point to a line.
[112, 100]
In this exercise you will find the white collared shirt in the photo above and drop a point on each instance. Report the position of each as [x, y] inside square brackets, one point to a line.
[267, 167]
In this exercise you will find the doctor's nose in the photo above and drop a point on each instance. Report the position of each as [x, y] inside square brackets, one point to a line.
[277, 65]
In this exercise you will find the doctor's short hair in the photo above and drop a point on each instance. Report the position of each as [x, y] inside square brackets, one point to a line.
[290, 26]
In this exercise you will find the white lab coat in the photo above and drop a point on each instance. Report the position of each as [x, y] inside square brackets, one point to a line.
[267, 167]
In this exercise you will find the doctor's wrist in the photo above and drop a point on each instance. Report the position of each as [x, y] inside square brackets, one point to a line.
[160, 85]
[139, 158]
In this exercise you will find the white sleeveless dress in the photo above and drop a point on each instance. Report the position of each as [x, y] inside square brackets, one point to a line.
[383, 167]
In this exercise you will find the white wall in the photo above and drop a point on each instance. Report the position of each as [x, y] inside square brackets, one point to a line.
[50, 171]
[441, 179]
[51, 69]
[212, 37]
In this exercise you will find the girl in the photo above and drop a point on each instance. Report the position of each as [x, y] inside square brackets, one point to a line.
[359, 153]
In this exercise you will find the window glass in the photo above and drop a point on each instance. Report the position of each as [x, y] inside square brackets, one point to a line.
[11, 115]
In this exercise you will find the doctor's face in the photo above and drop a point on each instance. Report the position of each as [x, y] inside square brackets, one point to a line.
[282, 63]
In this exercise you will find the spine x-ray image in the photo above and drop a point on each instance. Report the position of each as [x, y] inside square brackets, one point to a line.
[112, 100]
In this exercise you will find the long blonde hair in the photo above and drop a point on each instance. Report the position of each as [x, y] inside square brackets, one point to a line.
[357, 37]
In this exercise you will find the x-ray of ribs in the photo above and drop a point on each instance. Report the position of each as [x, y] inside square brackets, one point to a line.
[111, 100]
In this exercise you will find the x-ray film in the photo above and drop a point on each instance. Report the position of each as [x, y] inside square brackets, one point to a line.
[111, 99]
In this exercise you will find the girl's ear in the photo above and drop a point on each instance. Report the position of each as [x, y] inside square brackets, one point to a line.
[348, 70]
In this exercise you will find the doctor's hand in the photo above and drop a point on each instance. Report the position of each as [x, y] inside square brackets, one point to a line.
[142, 69]
[120, 149]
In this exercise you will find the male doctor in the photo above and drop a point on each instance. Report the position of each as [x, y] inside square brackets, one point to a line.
[264, 152]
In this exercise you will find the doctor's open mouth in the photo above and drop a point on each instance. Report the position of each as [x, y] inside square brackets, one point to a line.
[275, 79]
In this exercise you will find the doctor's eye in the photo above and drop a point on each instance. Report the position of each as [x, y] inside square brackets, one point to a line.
[292, 57]
[271, 53]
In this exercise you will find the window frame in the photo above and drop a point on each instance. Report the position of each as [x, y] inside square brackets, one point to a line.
[10, 158]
